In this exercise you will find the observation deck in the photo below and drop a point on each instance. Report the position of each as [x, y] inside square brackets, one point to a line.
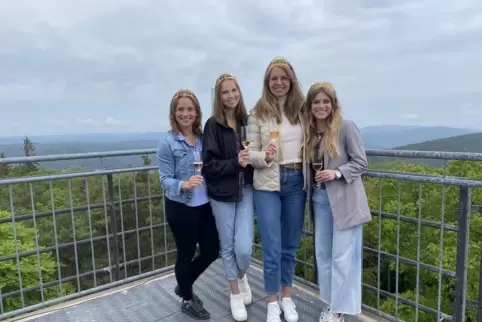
[93, 244]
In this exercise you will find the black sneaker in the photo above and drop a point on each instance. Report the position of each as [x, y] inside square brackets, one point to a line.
[195, 298]
[195, 310]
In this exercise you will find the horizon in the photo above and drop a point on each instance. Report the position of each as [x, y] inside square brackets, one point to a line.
[157, 132]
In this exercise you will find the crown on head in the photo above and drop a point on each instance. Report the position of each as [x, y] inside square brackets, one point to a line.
[279, 61]
[224, 76]
[325, 85]
[184, 92]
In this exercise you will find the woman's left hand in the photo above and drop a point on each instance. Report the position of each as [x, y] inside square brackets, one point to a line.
[325, 175]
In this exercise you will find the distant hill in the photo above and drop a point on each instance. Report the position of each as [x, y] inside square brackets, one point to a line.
[462, 143]
[87, 137]
[390, 136]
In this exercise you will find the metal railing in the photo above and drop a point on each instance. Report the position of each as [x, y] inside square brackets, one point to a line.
[73, 234]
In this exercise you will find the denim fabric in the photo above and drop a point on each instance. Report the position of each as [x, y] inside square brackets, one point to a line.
[338, 258]
[235, 223]
[175, 161]
[280, 217]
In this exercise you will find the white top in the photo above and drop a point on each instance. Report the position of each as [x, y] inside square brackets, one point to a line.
[291, 137]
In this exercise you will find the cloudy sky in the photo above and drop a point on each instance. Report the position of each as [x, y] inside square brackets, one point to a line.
[71, 66]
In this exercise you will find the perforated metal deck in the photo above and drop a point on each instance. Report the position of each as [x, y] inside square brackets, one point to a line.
[155, 301]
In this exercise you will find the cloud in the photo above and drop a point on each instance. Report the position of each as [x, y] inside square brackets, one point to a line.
[107, 121]
[409, 116]
[91, 60]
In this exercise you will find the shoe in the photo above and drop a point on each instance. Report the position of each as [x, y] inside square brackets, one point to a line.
[195, 310]
[245, 290]
[195, 298]
[324, 313]
[289, 309]
[274, 312]
[330, 317]
[238, 310]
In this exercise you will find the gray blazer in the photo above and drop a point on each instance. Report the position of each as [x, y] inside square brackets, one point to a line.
[347, 195]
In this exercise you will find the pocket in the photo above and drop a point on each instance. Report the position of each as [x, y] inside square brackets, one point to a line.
[179, 153]
[181, 161]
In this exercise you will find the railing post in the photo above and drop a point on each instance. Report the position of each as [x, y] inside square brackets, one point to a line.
[462, 254]
[479, 302]
[113, 224]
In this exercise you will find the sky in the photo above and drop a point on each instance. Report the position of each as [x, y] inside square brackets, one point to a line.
[89, 66]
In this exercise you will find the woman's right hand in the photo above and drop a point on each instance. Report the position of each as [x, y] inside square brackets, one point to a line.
[193, 182]
[243, 158]
[270, 151]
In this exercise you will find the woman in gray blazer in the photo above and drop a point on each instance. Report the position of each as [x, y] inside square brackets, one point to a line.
[338, 202]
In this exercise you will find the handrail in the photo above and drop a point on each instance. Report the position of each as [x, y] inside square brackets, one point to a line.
[463, 156]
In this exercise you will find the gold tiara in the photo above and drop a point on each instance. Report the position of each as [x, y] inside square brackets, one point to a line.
[322, 85]
[279, 61]
[184, 92]
[224, 76]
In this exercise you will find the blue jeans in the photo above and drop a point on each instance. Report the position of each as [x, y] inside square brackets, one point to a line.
[339, 259]
[280, 224]
[235, 223]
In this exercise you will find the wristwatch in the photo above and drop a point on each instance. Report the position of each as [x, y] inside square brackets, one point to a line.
[338, 174]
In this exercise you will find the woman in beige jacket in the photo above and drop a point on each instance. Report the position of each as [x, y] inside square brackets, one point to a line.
[275, 131]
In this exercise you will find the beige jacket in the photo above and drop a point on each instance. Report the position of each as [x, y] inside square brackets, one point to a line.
[266, 174]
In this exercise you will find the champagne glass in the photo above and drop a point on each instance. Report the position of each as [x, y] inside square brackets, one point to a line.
[273, 132]
[242, 136]
[198, 164]
[317, 164]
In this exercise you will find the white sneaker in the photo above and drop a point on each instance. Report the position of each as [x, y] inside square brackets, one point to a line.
[238, 310]
[330, 317]
[324, 313]
[274, 312]
[289, 309]
[245, 290]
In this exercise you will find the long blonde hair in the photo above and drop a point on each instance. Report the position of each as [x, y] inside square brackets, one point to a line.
[196, 126]
[331, 134]
[267, 106]
[218, 108]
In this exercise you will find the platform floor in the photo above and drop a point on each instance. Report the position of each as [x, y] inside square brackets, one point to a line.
[155, 301]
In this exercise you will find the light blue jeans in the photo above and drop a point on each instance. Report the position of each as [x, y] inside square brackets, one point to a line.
[280, 224]
[235, 223]
[339, 259]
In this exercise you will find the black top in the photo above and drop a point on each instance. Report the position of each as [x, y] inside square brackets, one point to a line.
[224, 176]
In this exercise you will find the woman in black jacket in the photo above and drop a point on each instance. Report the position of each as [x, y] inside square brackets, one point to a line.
[229, 181]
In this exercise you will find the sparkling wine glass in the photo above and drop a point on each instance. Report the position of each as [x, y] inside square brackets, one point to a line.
[242, 136]
[198, 164]
[317, 165]
[273, 132]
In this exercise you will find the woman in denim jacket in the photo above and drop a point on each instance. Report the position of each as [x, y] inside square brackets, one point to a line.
[187, 207]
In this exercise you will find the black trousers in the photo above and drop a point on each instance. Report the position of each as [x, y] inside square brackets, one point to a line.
[191, 226]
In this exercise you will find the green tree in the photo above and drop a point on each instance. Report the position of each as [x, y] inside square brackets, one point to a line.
[24, 240]
[4, 168]
[28, 151]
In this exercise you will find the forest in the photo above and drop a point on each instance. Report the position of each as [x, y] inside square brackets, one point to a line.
[58, 234]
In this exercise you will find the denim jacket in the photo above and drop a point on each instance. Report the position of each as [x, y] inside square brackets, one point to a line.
[175, 159]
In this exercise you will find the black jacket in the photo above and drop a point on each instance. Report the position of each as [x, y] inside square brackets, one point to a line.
[220, 162]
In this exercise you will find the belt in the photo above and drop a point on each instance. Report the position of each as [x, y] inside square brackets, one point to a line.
[293, 166]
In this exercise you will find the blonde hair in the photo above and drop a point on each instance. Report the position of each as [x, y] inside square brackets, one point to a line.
[331, 134]
[218, 108]
[267, 106]
[196, 126]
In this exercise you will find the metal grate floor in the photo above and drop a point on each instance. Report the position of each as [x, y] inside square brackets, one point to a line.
[155, 301]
